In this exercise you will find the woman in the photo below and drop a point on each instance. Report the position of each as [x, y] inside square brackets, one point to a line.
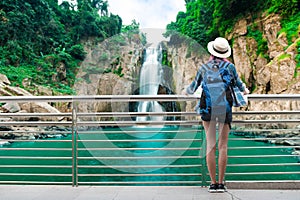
[219, 50]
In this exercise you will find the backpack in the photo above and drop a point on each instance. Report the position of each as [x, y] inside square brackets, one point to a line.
[215, 83]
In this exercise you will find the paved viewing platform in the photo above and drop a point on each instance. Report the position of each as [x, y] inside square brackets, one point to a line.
[30, 192]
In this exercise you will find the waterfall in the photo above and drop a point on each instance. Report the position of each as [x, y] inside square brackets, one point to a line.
[150, 78]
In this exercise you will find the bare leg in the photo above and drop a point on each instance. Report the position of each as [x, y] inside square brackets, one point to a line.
[210, 131]
[222, 147]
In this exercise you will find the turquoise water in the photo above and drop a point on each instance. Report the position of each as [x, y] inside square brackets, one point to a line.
[170, 156]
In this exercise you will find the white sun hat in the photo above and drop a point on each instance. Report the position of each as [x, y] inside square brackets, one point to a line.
[219, 48]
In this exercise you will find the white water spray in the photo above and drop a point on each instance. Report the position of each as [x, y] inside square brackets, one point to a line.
[150, 78]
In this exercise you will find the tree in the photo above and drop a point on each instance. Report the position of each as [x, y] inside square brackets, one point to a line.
[38, 34]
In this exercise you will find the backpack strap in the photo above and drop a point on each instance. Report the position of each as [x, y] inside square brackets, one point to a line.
[223, 64]
[206, 67]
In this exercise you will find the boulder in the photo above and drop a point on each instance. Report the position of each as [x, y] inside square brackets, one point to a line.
[11, 107]
[40, 107]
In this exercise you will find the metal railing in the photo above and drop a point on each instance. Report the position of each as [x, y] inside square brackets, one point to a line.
[111, 148]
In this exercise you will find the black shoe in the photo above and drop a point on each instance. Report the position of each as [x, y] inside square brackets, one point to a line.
[213, 188]
[221, 188]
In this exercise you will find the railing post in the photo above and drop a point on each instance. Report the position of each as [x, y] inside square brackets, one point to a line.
[203, 157]
[74, 145]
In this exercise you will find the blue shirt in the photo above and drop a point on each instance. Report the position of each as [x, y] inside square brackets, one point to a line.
[231, 78]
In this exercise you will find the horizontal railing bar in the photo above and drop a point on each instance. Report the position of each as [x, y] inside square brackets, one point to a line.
[140, 140]
[139, 148]
[137, 158]
[264, 97]
[40, 149]
[163, 148]
[139, 114]
[138, 131]
[125, 175]
[35, 123]
[36, 182]
[263, 139]
[263, 181]
[35, 166]
[265, 164]
[36, 140]
[182, 131]
[40, 132]
[137, 123]
[32, 174]
[181, 157]
[269, 121]
[263, 130]
[133, 98]
[150, 131]
[263, 147]
[293, 112]
[137, 166]
[38, 158]
[135, 114]
[35, 114]
[182, 140]
[262, 156]
[36, 98]
[144, 123]
[261, 173]
[140, 182]
[112, 98]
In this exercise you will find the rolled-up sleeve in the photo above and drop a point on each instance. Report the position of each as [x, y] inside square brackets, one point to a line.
[238, 82]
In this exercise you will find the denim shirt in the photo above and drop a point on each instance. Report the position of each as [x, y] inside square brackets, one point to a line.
[235, 80]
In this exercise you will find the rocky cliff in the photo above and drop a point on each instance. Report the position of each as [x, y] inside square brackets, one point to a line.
[110, 68]
[271, 72]
[275, 72]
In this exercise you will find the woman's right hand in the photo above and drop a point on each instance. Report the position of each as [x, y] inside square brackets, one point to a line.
[246, 91]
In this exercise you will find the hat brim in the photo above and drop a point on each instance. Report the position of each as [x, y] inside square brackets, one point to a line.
[214, 53]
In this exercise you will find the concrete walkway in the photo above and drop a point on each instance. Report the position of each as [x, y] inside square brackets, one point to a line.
[28, 192]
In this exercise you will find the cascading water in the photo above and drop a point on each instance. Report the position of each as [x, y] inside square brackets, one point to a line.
[150, 78]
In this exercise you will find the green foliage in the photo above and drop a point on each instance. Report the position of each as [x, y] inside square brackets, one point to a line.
[297, 71]
[63, 89]
[17, 74]
[77, 52]
[205, 20]
[284, 7]
[165, 61]
[262, 45]
[283, 56]
[133, 27]
[118, 71]
[43, 34]
[291, 26]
